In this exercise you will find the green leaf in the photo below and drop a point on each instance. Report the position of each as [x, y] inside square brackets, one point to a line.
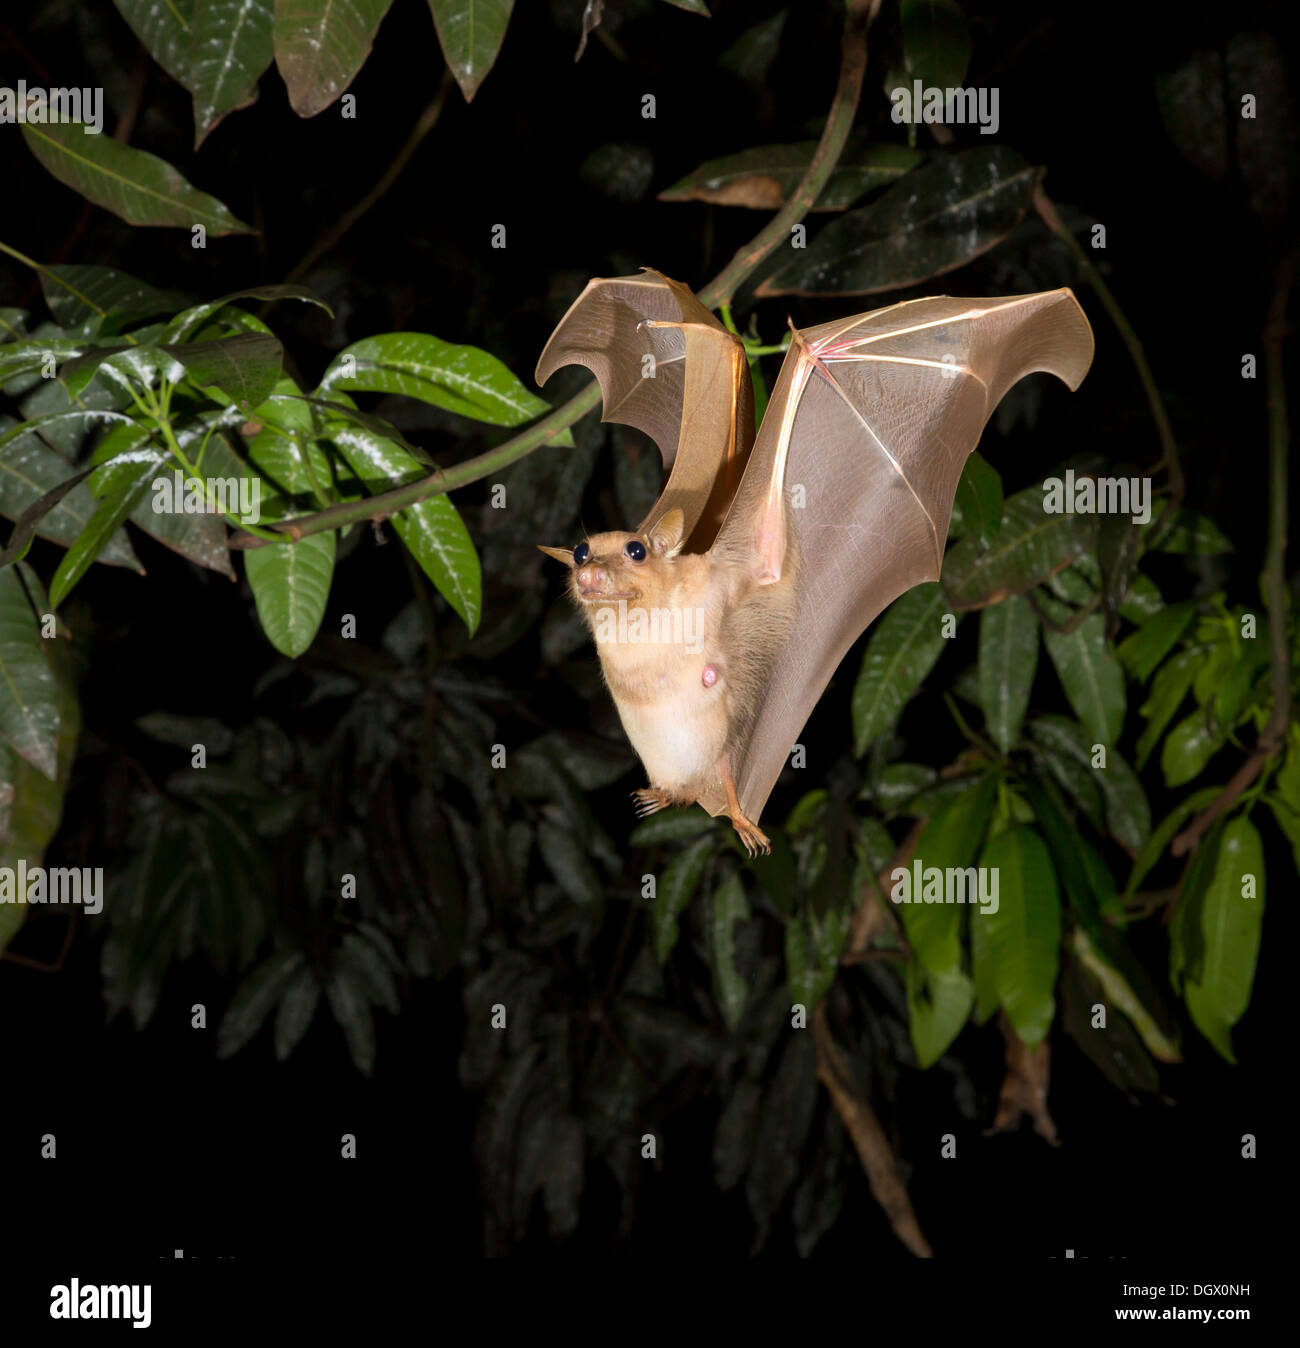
[131, 476]
[936, 42]
[1168, 689]
[29, 694]
[291, 586]
[983, 971]
[977, 509]
[432, 529]
[938, 1004]
[1091, 676]
[296, 1011]
[566, 859]
[1031, 545]
[1128, 816]
[671, 826]
[471, 33]
[28, 470]
[1143, 651]
[190, 320]
[935, 220]
[244, 368]
[812, 952]
[1163, 833]
[1088, 883]
[164, 27]
[1288, 820]
[78, 295]
[254, 999]
[1143, 600]
[1217, 996]
[351, 1010]
[139, 187]
[673, 892]
[951, 841]
[18, 358]
[1196, 535]
[1188, 747]
[729, 985]
[897, 783]
[1120, 994]
[231, 49]
[1008, 658]
[765, 176]
[1024, 935]
[901, 652]
[319, 47]
[460, 379]
[31, 804]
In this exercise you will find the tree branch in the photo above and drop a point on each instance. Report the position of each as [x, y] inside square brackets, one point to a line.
[328, 238]
[1169, 459]
[873, 1148]
[853, 62]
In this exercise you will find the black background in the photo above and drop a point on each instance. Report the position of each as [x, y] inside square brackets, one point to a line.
[163, 1148]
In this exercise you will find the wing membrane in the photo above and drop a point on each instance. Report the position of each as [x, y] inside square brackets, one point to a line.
[695, 399]
[862, 446]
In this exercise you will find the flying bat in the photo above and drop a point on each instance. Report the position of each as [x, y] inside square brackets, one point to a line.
[720, 619]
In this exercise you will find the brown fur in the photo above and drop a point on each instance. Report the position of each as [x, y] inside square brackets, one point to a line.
[680, 728]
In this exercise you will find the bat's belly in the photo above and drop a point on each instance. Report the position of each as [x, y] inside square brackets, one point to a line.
[679, 736]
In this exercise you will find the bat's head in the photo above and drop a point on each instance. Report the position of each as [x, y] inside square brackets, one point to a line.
[605, 568]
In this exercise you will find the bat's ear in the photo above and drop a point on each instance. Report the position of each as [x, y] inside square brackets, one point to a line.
[665, 536]
[564, 555]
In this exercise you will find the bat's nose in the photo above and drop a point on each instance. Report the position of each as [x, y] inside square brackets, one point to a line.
[592, 579]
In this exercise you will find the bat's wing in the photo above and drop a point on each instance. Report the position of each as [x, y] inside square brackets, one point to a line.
[694, 398]
[858, 459]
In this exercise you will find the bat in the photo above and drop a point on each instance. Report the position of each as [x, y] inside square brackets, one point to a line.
[721, 618]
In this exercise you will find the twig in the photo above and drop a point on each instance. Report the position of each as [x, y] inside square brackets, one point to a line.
[328, 238]
[53, 966]
[853, 60]
[1169, 459]
[872, 912]
[873, 1148]
[1273, 737]
[858, 17]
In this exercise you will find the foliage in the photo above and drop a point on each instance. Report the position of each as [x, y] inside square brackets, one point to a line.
[1098, 684]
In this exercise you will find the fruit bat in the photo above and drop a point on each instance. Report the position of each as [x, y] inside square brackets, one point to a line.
[721, 617]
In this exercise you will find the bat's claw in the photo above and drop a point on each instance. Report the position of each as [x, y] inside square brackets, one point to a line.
[753, 837]
[649, 800]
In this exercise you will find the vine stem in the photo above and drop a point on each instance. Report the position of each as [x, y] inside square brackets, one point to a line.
[858, 17]
[425, 123]
[1169, 459]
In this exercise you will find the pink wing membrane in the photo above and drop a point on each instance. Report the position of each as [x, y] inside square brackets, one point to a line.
[867, 431]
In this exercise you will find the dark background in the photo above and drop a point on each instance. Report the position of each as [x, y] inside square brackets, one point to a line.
[161, 1146]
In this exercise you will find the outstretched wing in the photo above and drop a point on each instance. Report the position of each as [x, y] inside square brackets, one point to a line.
[694, 399]
[857, 465]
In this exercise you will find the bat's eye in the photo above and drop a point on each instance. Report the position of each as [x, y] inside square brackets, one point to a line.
[580, 554]
[636, 550]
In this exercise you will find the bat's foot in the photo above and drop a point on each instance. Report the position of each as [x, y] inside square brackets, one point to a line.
[649, 800]
[751, 835]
